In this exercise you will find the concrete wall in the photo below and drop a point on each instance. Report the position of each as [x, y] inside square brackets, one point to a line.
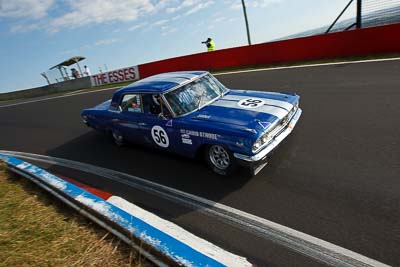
[75, 84]
[359, 42]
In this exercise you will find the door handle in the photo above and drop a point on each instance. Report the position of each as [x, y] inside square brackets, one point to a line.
[142, 124]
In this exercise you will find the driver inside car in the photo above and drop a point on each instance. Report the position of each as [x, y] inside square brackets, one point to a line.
[152, 104]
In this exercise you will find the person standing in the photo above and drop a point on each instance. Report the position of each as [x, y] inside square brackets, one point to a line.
[210, 44]
[75, 73]
[86, 71]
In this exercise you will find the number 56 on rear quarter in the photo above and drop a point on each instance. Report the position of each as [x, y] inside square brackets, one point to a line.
[191, 112]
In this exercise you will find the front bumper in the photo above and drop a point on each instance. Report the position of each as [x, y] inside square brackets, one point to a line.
[260, 158]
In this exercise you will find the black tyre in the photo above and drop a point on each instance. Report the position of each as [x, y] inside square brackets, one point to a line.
[220, 160]
[117, 138]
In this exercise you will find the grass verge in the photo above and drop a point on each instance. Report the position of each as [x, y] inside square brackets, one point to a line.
[36, 230]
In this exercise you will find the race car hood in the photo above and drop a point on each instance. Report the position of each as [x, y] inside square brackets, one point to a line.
[249, 109]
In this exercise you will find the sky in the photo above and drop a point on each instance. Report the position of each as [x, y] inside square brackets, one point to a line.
[38, 34]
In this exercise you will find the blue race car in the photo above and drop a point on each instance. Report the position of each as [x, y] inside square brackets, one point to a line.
[191, 112]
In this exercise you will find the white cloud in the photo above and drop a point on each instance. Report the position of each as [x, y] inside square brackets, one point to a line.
[264, 3]
[199, 7]
[160, 22]
[253, 3]
[25, 8]
[137, 26]
[236, 6]
[105, 42]
[101, 42]
[233, 19]
[69, 52]
[166, 30]
[84, 12]
[78, 13]
[20, 28]
[184, 4]
[219, 19]
[176, 17]
[161, 4]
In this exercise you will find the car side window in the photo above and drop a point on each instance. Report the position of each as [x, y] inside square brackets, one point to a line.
[153, 104]
[132, 103]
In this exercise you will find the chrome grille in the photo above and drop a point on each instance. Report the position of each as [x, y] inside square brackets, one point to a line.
[278, 128]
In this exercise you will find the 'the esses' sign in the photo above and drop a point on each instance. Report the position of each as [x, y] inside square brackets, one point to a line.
[115, 76]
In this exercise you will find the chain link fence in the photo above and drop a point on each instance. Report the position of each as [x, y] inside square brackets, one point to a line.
[367, 13]
[380, 12]
[359, 14]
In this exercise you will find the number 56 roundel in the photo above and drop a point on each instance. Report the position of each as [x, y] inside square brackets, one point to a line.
[251, 103]
[160, 137]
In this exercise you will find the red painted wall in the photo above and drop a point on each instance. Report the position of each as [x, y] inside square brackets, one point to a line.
[367, 41]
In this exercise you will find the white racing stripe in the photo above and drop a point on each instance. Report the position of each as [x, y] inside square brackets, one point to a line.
[276, 111]
[302, 243]
[268, 101]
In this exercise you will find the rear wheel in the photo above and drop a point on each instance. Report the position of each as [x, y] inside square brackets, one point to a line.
[220, 159]
[117, 138]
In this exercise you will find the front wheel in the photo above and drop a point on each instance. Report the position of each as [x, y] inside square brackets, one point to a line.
[117, 138]
[220, 159]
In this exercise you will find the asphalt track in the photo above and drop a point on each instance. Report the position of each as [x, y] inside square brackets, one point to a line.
[336, 177]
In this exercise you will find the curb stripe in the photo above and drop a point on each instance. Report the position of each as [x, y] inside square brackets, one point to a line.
[169, 246]
[102, 194]
[165, 226]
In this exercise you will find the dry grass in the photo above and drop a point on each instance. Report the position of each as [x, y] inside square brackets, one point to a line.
[36, 230]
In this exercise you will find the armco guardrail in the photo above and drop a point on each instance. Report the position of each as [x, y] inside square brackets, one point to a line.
[69, 85]
[115, 215]
[367, 41]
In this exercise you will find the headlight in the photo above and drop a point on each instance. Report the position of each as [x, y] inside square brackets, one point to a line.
[261, 141]
[257, 144]
[84, 119]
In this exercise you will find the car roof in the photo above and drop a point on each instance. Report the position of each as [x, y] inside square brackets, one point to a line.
[163, 82]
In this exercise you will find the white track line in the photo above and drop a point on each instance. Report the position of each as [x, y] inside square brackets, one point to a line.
[55, 97]
[302, 243]
[311, 65]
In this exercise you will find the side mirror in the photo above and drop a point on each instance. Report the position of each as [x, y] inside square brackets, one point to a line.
[162, 117]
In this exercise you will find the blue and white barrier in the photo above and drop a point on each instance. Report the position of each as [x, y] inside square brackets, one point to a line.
[168, 240]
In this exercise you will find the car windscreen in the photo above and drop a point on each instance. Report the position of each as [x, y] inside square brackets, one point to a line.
[194, 95]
